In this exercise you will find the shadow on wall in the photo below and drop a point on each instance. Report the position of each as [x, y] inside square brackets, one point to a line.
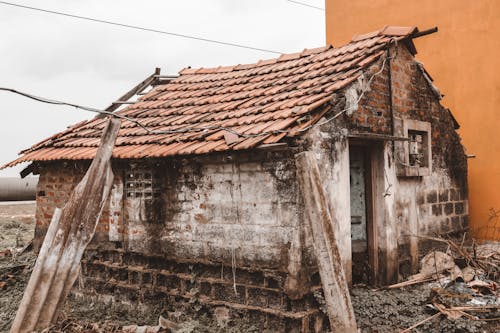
[17, 189]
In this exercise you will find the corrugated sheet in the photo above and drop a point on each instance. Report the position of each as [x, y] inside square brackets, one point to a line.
[259, 103]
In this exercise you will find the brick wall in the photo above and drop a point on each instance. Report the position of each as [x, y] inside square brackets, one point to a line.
[55, 183]
[374, 112]
[436, 203]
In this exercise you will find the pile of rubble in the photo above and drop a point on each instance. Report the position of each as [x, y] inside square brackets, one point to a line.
[463, 282]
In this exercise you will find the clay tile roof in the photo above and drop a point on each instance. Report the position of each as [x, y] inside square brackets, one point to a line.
[260, 103]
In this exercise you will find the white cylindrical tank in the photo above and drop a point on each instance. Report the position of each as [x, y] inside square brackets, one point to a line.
[17, 189]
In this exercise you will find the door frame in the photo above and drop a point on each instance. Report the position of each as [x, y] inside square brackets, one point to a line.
[372, 153]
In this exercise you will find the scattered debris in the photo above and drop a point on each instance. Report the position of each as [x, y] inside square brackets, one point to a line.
[460, 282]
[6, 253]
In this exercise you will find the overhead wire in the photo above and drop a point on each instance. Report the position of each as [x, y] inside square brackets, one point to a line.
[200, 129]
[305, 4]
[120, 116]
[130, 26]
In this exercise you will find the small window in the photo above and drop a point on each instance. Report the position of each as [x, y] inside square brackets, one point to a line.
[417, 150]
[145, 186]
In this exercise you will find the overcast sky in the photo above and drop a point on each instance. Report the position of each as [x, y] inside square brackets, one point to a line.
[92, 64]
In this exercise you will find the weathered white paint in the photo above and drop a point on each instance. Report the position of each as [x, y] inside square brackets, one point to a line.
[115, 210]
[388, 230]
[340, 203]
[352, 94]
[216, 209]
[332, 153]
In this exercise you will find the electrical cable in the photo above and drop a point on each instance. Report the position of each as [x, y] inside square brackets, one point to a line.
[305, 4]
[133, 120]
[123, 25]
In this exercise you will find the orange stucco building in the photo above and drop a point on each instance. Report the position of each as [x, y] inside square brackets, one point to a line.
[464, 59]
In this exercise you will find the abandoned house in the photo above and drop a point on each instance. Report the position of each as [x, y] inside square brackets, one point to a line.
[206, 201]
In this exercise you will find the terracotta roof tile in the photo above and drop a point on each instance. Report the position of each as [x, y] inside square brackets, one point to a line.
[368, 35]
[262, 102]
[398, 31]
[307, 52]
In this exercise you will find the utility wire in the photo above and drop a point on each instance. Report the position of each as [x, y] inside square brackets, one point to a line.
[305, 4]
[123, 25]
[133, 120]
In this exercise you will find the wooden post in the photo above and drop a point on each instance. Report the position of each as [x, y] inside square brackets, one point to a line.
[321, 225]
[69, 233]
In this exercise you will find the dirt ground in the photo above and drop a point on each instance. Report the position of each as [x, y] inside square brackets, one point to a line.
[376, 311]
[17, 223]
[394, 310]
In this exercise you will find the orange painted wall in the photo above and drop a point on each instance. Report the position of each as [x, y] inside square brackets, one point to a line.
[464, 60]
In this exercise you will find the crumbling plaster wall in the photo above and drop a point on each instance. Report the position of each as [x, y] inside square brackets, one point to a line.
[417, 205]
[435, 203]
[230, 234]
[241, 208]
[331, 149]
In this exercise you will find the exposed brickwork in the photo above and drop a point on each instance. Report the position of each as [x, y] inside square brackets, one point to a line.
[131, 277]
[54, 187]
[374, 112]
[446, 186]
[415, 98]
[435, 203]
[212, 209]
[449, 218]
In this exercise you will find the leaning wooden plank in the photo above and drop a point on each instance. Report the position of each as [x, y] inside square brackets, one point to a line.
[321, 225]
[69, 233]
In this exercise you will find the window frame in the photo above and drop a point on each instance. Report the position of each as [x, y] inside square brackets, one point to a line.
[411, 125]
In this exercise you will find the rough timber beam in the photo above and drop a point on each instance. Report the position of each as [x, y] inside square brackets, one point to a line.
[321, 225]
[69, 233]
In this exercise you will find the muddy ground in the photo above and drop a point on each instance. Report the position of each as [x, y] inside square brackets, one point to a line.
[376, 311]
